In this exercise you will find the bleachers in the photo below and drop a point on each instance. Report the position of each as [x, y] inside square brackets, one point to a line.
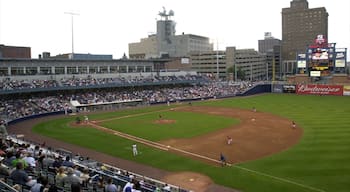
[97, 172]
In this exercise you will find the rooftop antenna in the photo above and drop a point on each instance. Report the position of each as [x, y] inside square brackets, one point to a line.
[165, 15]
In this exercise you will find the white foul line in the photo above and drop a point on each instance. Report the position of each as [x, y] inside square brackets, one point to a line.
[279, 178]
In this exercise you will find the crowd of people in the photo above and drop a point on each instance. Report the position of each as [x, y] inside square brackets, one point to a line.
[14, 108]
[36, 168]
[14, 84]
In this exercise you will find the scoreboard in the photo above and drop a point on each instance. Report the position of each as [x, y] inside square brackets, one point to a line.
[321, 59]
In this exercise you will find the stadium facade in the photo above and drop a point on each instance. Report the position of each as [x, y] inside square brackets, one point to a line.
[52, 67]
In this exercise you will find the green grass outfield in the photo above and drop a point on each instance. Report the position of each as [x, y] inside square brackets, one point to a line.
[319, 162]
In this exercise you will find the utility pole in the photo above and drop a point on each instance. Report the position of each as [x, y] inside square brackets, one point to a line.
[72, 14]
[217, 60]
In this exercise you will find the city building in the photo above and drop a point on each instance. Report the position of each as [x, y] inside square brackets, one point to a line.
[77, 56]
[300, 26]
[15, 52]
[271, 47]
[267, 44]
[236, 64]
[165, 43]
[212, 63]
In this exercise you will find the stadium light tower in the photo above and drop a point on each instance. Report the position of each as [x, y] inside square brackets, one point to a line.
[72, 14]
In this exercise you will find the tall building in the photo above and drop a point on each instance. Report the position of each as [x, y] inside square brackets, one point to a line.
[271, 47]
[267, 44]
[165, 43]
[300, 26]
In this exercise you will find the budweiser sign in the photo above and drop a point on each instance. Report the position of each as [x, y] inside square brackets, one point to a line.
[320, 89]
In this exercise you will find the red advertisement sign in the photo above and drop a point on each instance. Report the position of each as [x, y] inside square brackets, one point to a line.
[320, 89]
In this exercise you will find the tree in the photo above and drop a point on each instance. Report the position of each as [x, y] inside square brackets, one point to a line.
[240, 72]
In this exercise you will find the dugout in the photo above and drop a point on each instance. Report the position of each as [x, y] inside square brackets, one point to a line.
[106, 105]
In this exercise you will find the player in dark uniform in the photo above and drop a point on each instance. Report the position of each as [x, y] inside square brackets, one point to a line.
[222, 159]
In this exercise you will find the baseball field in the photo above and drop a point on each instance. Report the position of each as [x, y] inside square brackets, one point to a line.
[266, 154]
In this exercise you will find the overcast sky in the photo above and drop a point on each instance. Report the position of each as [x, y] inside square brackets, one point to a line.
[107, 26]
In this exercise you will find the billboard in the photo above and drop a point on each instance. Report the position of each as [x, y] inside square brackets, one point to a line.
[315, 73]
[301, 64]
[320, 89]
[288, 88]
[301, 60]
[340, 60]
[346, 90]
[277, 88]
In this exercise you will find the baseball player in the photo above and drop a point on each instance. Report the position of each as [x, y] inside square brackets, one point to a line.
[229, 140]
[134, 149]
[86, 119]
[222, 159]
[293, 125]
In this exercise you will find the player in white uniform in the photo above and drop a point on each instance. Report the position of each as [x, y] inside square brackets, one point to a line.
[134, 149]
[229, 140]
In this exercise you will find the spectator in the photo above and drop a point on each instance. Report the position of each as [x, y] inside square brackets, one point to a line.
[29, 160]
[41, 185]
[19, 159]
[3, 131]
[166, 188]
[70, 178]
[58, 162]
[75, 187]
[110, 187]
[19, 176]
[129, 185]
[77, 172]
[4, 170]
[84, 176]
[60, 175]
[67, 162]
[136, 187]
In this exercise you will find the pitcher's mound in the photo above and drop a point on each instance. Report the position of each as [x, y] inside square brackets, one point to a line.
[188, 180]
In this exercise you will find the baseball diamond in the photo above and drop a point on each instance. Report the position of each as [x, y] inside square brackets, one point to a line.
[265, 151]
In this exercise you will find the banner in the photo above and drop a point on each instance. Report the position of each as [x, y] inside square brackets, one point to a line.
[320, 89]
[277, 88]
[288, 88]
[346, 91]
[340, 60]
